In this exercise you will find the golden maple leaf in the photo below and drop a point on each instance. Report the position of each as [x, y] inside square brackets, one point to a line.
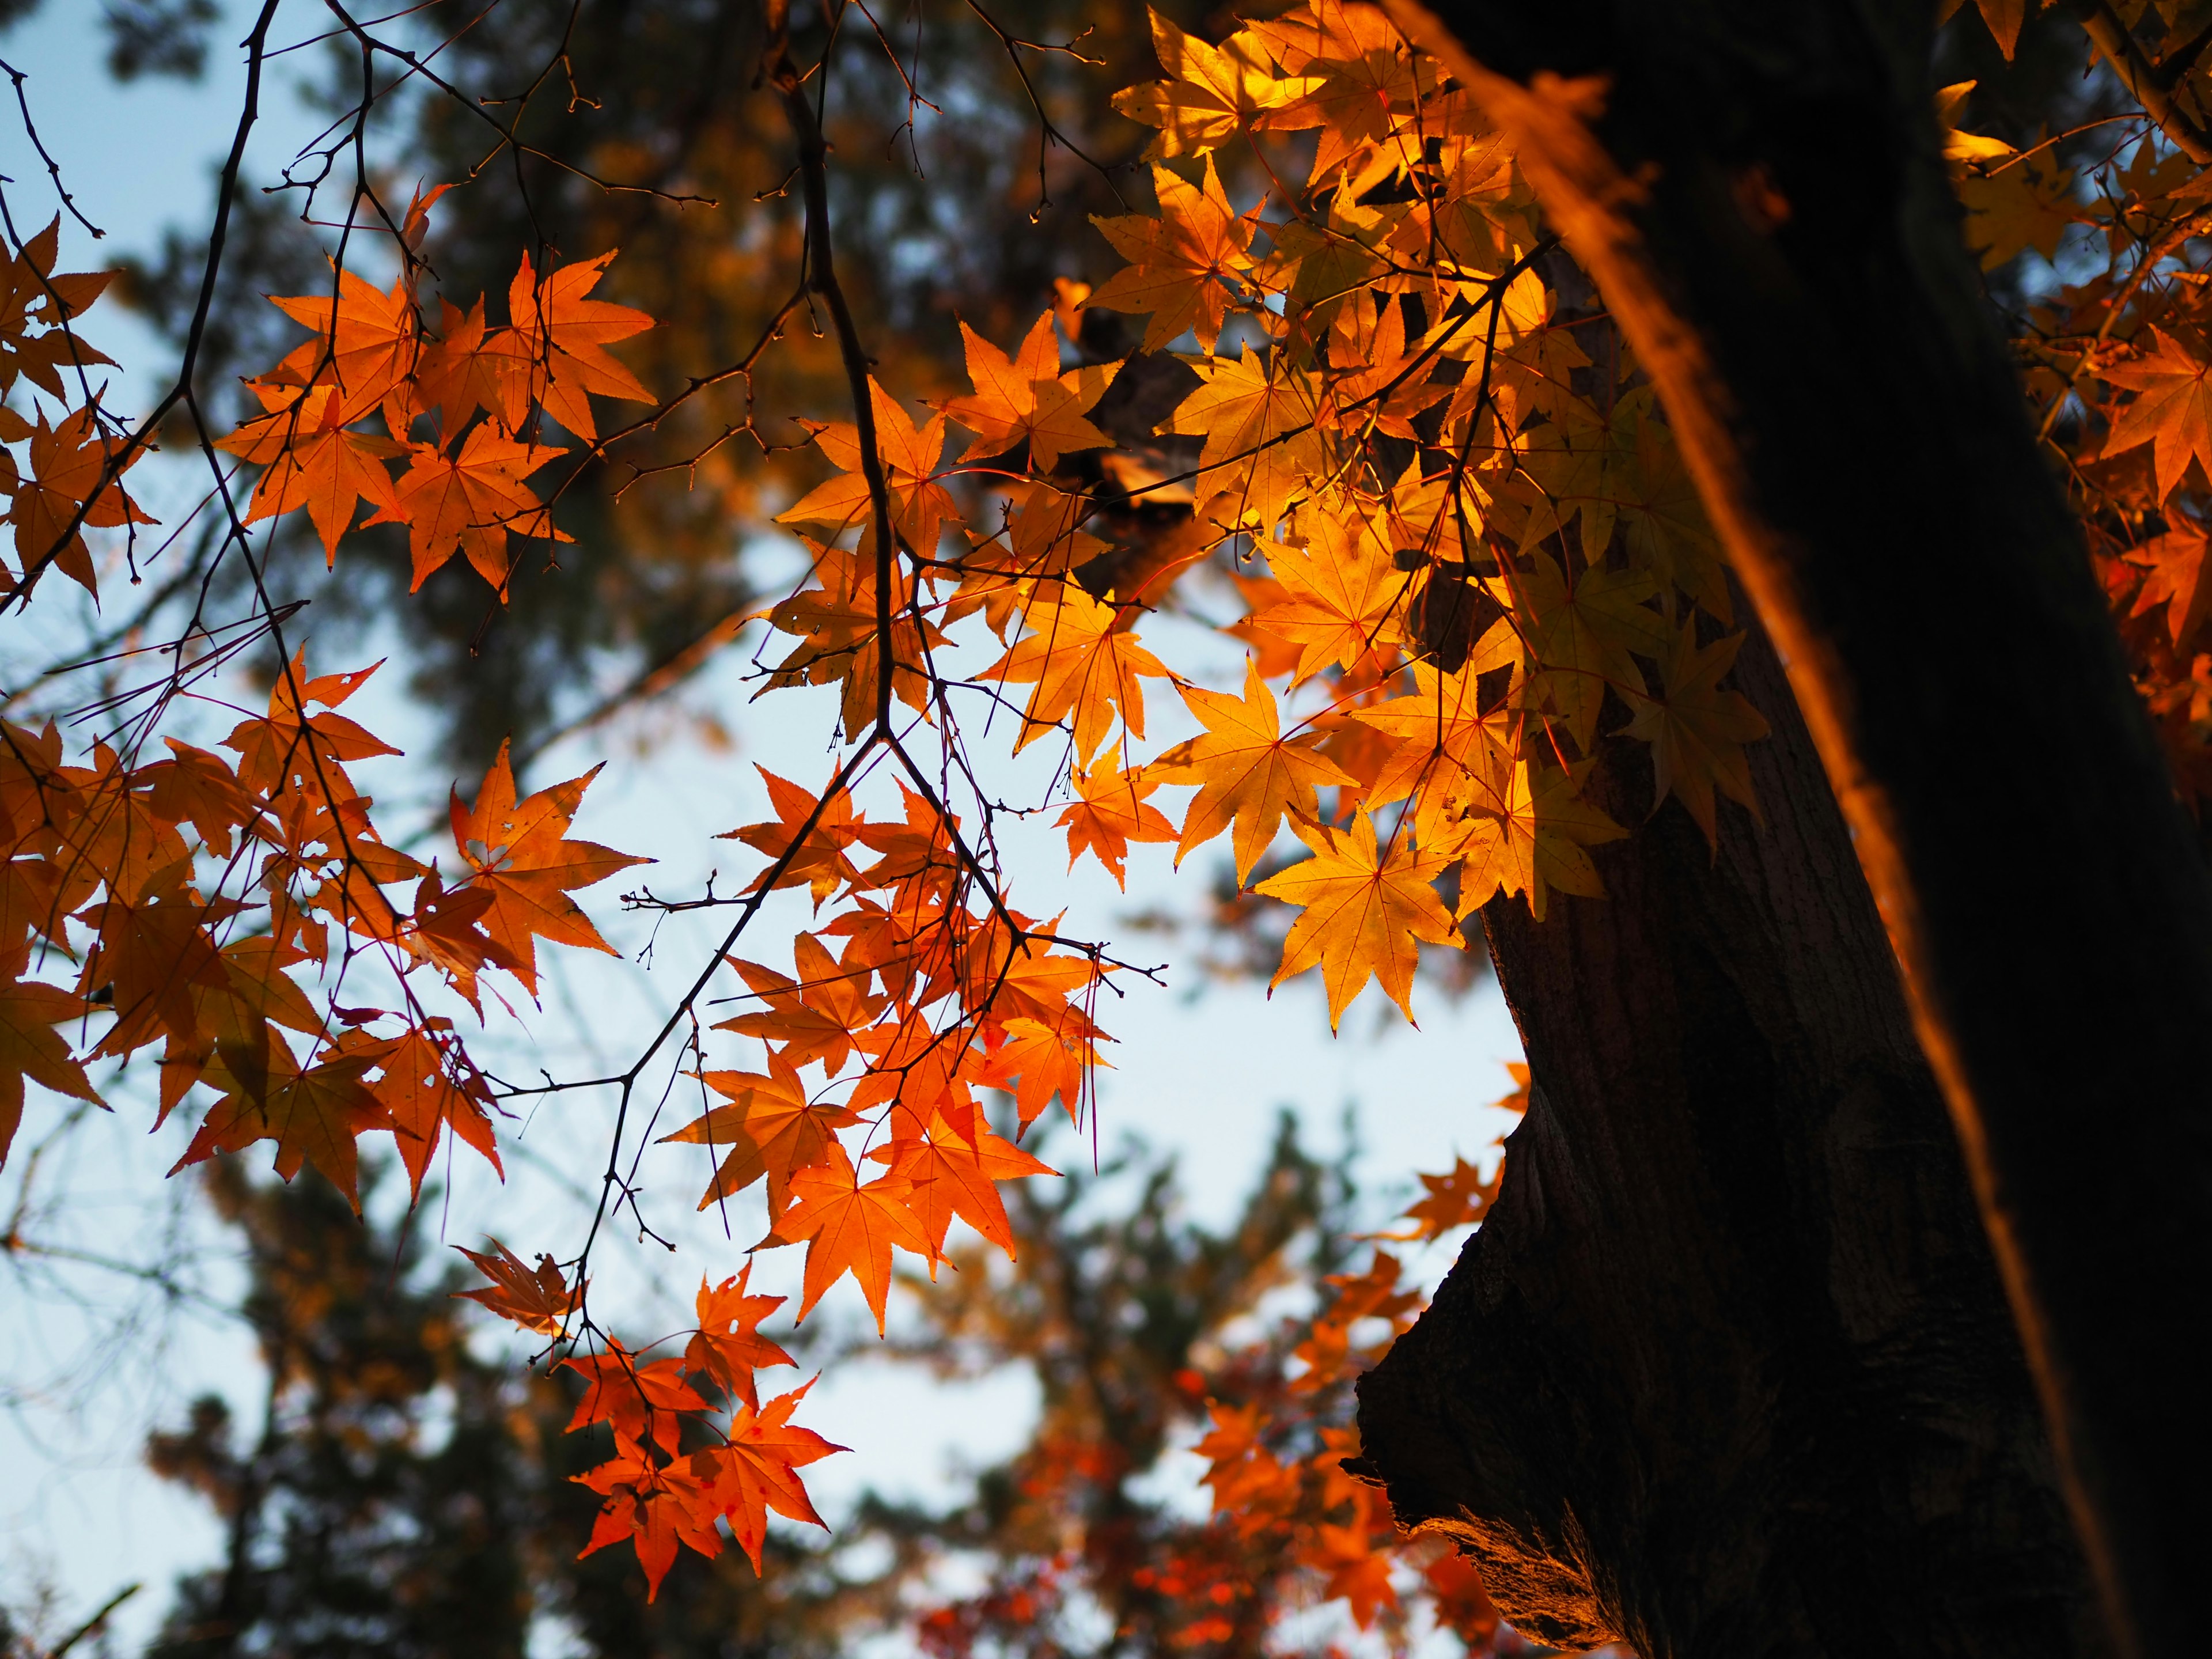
[1365, 912]
[1256, 415]
[1525, 834]
[1183, 261]
[1246, 773]
[1084, 667]
[1210, 92]
[1028, 400]
[1342, 597]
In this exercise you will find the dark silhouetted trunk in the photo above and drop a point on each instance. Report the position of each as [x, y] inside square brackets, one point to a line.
[1756, 189]
[1729, 1369]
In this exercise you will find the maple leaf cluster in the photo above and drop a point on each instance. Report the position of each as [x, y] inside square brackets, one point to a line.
[2116, 350]
[463, 404]
[124, 872]
[1466, 558]
[1461, 539]
[73, 458]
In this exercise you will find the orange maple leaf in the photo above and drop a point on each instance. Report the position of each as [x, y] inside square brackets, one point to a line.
[1256, 415]
[519, 854]
[1456, 1199]
[1209, 93]
[640, 1401]
[1440, 738]
[1182, 262]
[31, 1048]
[564, 338]
[1364, 909]
[417, 1087]
[314, 1114]
[956, 1173]
[1037, 1060]
[1110, 812]
[920, 506]
[1342, 599]
[470, 366]
[2172, 409]
[757, 1471]
[728, 1346]
[2180, 579]
[366, 341]
[1028, 400]
[68, 463]
[312, 460]
[836, 619]
[1357, 56]
[652, 1506]
[850, 1228]
[813, 1017]
[470, 502]
[1526, 835]
[539, 1299]
[1247, 772]
[771, 1129]
[1084, 666]
[820, 863]
[1580, 637]
[32, 293]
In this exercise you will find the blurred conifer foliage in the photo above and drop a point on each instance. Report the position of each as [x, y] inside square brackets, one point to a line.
[405, 1495]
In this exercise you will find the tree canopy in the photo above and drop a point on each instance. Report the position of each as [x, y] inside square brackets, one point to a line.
[1423, 354]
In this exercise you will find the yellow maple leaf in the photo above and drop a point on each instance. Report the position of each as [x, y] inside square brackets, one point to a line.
[1364, 912]
[1580, 637]
[2018, 205]
[1528, 837]
[1249, 776]
[1083, 666]
[1343, 599]
[1256, 415]
[1181, 262]
[1444, 741]
[1210, 92]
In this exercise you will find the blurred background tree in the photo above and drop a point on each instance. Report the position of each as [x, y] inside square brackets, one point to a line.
[405, 1495]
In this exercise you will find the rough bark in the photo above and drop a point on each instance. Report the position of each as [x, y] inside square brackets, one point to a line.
[1756, 191]
[1729, 1369]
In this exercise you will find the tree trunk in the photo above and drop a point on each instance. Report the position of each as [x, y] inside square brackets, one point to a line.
[1729, 1370]
[1756, 191]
